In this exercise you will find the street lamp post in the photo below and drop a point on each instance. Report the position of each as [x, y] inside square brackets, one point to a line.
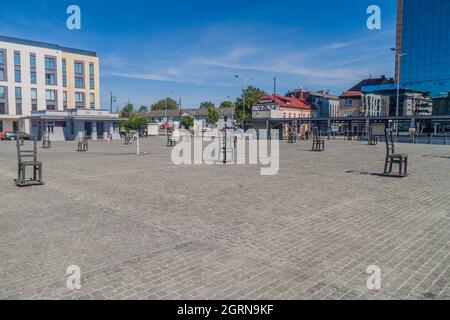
[111, 101]
[243, 103]
[399, 58]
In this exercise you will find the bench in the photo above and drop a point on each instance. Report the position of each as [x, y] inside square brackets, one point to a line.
[83, 144]
[46, 142]
[394, 158]
[28, 158]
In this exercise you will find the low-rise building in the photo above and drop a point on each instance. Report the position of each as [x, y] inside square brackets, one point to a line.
[411, 102]
[170, 117]
[274, 106]
[325, 103]
[441, 105]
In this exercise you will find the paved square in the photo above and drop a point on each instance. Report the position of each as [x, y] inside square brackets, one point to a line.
[142, 228]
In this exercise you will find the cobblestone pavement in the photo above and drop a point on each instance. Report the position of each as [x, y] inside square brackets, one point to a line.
[142, 228]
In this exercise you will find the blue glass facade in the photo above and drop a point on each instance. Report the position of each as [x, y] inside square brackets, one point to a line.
[426, 42]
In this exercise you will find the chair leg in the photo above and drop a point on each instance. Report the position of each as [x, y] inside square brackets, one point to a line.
[40, 172]
[406, 166]
[400, 167]
[386, 166]
[391, 165]
[23, 174]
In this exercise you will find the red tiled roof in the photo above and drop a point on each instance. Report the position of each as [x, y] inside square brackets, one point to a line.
[289, 102]
[351, 94]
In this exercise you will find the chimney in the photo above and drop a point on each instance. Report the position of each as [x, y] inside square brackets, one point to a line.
[302, 94]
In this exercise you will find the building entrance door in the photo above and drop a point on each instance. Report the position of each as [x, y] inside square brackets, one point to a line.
[88, 129]
[100, 130]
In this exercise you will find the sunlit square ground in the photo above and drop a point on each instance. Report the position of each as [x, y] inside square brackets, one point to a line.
[143, 228]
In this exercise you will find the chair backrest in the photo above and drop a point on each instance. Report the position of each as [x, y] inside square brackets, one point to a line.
[316, 133]
[26, 153]
[390, 146]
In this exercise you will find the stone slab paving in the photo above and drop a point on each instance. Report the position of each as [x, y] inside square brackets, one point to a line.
[143, 228]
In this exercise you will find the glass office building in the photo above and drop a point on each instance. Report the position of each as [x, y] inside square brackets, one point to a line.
[423, 35]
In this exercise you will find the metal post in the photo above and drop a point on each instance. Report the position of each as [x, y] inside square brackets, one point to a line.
[138, 151]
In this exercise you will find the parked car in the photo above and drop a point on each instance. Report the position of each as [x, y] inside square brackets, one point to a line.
[165, 126]
[3, 134]
[13, 136]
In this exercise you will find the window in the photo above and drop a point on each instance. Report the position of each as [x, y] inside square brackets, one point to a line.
[2, 93]
[33, 94]
[348, 102]
[32, 60]
[50, 79]
[64, 81]
[91, 84]
[64, 65]
[19, 108]
[49, 63]
[33, 99]
[78, 67]
[2, 75]
[79, 97]
[18, 93]
[50, 95]
[2, 57]
[33, 77]
[92, 101]
[79, 82]
[17, 76]
[65, 96]
[17, 58]
[91, 69]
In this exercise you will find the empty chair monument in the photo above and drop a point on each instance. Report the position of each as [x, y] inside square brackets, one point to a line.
[394, 158]
[171, 141]
[292, 134]
[372, 139]
[318, 143]
[46, 142]
[28, 158]
[83, 144]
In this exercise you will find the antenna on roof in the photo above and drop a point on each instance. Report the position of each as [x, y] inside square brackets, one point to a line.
[274, 85]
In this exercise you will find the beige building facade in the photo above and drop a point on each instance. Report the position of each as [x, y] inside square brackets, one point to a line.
[37, 76]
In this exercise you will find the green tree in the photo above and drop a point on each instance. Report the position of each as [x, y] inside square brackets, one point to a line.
[161, 104]
[226, 104]
[245, 103]
[127, 111]
[143, 109]
[136, 122]
[213, 116]
[207, 105]
[187, 122]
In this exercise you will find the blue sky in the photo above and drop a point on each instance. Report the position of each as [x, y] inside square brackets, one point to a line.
[150, 49]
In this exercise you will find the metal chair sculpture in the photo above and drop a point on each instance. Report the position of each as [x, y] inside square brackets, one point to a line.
[83, 144]
[170, 138]
[292, 135]
[46, 142]
[130, 138]
[318, 143]
[372, 139]
[22, 155]
[394, 158]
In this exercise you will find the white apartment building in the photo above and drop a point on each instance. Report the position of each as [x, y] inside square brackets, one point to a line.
[38, 78]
